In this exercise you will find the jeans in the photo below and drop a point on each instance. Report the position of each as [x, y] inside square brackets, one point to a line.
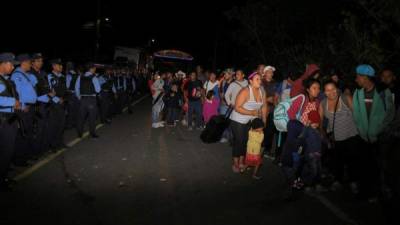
[172, 115]
[223, 109]
[195, 106]
[312, 168]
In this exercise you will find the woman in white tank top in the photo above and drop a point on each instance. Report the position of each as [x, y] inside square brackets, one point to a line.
[250, 103]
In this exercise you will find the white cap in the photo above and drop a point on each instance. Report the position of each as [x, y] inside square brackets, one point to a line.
[269, 68]
[181, 73]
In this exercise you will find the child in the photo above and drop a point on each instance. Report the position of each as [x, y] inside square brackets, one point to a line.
[210, 106]
[256, 137]
[173, 103]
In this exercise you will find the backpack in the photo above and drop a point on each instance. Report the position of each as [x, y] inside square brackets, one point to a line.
[281, 117]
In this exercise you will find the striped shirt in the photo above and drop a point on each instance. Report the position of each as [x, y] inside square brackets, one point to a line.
[345, 126]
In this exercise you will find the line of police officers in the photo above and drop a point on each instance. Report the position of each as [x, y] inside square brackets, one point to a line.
[35, 107]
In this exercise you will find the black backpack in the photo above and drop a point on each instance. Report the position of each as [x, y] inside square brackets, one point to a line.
[214, 129]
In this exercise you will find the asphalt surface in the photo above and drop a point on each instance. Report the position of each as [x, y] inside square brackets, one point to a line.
[134, 174]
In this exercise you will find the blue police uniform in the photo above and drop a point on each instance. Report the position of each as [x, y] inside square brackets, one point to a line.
[42, 109]
[24, 83]
[57, 83]
[8, 124]
[130, 90]
[72, 104]
[87, 88]
[120, 83]
[107, 100]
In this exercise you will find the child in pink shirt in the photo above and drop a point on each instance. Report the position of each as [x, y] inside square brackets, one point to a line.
[210, 106]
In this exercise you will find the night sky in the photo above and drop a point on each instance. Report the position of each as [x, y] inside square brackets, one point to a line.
[57, 29]
[188, 26]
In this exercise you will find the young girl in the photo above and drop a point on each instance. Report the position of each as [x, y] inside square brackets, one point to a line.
[254, 154]
[210, 106]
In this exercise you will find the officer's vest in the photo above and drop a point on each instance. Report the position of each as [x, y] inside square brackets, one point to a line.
[87, 87]
[59, 85]
[108, 85]
[42, 87]
[9, 91]
[73, 82]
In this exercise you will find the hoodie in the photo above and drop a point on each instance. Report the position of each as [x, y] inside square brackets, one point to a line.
[297, 87]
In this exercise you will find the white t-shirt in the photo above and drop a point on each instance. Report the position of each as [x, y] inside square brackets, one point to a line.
[208, 85]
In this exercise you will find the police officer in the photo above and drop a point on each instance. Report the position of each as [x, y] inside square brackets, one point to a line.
[72, 102]
[24, 83]
[108, 91]
[120, 82]
[58, 84]
[45, 94]
[130, 90]
[87, 87]
[9, 103]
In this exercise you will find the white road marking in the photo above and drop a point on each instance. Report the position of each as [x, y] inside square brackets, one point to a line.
[49, 158]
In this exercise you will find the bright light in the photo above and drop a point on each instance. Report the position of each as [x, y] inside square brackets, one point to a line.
[107, 19]
[153, 40]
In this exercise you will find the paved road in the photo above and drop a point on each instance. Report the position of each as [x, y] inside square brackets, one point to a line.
[137, 175]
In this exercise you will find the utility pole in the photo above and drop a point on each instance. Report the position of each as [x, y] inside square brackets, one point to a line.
[98, 23]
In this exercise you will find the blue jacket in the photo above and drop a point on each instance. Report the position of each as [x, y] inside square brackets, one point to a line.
[24, 83]
[6, 103]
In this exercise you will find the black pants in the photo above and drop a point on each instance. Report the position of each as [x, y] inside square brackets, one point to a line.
[106, 103]
[369, 167]
[121, 101]
[240, 134]
[390, 158]
[41, 134]
[346, 154]
[8, 134]
[280, 141]
[269, 132]
[72, 111]
[172, 115]
[56, 125]
[88, 108]
[129, 101]
[24, 140]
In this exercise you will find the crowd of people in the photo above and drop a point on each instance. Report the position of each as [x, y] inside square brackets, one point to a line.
[316, 125]
[311, 123]
[37, 107]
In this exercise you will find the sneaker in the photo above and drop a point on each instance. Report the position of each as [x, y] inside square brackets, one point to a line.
[223, 140]
[155, 125]
[199, 128]
[161, 124]
[269, 156]
[184, 123]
